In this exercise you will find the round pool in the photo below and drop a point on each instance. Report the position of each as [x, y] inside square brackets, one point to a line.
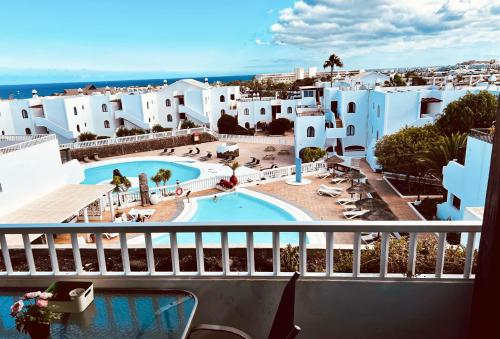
[98, 174]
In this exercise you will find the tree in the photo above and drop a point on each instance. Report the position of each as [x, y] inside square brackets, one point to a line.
[165, 175]
[188, 124]
[227, 124]
[87, 136]
[332, 61]
[418, 81]
[395, 81]
[159, 128]
[444, 150]
[279, 126]
[157, 178]
[311, 154]
[470, 111]
[400, 151]
[233, 166]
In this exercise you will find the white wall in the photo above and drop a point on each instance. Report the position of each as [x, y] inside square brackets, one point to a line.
[300, 132]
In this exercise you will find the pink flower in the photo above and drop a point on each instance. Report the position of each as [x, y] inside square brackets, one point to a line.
[42, 303]
[32, 295]
[45, 295]
[16, 308]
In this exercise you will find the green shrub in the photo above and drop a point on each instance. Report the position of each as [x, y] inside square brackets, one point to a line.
[100, 137]
[124, 132]
[87, 136]
[159, 128]
[228, 124]
[311, 154]
[188, 124]
[279, 126]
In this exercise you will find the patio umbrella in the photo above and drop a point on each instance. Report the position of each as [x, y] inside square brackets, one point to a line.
[353, 175]
[379, 215]
[360, 189]
[370, 204]
[334, 160]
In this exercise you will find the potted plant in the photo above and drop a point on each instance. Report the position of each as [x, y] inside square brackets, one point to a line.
[234, 166]
[32, 314]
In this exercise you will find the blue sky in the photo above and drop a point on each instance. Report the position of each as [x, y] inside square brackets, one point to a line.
[51, 41]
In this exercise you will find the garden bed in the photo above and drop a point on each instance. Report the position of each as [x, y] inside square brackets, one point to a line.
[410, 188]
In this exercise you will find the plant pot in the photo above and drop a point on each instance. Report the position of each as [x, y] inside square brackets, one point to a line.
[38, 331]
[154, 199]
[233, 180]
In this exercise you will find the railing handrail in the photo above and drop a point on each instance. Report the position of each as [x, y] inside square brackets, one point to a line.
[132, 138]
[483, 134]
[285, 226]
[25, 141]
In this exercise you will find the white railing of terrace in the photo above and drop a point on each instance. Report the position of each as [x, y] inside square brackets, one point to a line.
[197, 185]
[255, 139]
[20, 142]
[147, 230]
[133, 138]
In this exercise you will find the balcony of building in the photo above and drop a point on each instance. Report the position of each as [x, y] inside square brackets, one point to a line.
[239, 284]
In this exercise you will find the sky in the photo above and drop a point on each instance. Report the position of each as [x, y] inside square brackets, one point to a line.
[56, 41]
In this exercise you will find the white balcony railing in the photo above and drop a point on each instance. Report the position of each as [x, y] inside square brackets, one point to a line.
[19, 142]
[132, 139]
[147, 230]
[252, 139]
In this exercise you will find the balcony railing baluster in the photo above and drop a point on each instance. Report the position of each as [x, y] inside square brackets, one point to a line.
[469, 256]
[303, 253]
[250, 254]
[76, 253]
[29, 254]
[329, 253]
[276, 253]
[412, 254]
[101, 258]
[440, 255]
[225, 253]
[52, 253]
[174, 253]
[356, 254]
[199, 253]
[384, 254]
[6, 254]
[124, 249]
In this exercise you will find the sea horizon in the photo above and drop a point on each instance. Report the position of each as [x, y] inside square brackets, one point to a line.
[23, 91]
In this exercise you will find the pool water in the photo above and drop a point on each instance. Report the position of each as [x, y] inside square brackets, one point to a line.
[237, 207]
[132, 169]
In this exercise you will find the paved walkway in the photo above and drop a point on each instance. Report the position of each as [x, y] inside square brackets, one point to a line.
[399, 206]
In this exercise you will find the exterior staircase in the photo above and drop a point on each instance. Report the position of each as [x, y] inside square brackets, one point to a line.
[119, 114]
[55, 128]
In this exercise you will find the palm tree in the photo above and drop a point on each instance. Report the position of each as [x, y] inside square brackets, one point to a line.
[331, 62]
[446, 149]
[157, 178]
[234, 166]
[165, 175]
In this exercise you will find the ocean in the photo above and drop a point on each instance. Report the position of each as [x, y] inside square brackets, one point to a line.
[24, 91]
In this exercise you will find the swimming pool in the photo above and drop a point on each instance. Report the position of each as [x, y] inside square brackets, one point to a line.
[243, 205]
[131, 169]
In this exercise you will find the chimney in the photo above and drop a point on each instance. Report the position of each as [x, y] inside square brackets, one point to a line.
[34, 93]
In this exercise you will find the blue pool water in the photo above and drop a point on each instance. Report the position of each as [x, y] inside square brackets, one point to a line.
[235, 207]
[96, 175]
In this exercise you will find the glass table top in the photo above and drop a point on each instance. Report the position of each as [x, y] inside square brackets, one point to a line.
[115, 314]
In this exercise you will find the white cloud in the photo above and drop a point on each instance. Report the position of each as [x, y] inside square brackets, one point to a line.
[355, 27]
[261, 42]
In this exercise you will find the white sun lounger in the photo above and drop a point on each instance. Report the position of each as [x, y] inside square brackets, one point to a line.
[350, 207]
[338, 189]
[355, 214]
[338, 180]
[145, 212]
[329, 192]
[323, 175]
[344, 201]
[110, 236]
[369, 237]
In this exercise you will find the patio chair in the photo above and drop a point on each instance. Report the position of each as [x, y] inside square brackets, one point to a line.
[338, 180]
[344, 201]
[355, 214]
[110, 236]
[96, 157]
[254, 159]
[283, 325]
[328, 192]
[206, 157]
[323, 175]
[257, 163]
[188, 153]
[340, 189]
[198, 151]
[86, 158]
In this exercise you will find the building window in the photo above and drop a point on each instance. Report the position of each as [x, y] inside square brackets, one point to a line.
[456, 202]
[28, 131]
[147, 104]
[3, 132]
[78, 128]
[75, 111]
[222, 111]
[310, 132]
[104, 107]
[106, 124]
[167, 103]
[169, 117]
[262, 111]
[24, 113]
[350, 130]
[222, 98]
[289, 110]
[83, 107]
[246, 111]
[378, 111]
[377, 135]
[308, 94]
[351, 107]
[247, 125]
[232, 97]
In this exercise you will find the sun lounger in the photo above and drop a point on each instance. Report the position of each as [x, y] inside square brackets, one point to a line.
[110, 236]
[269, 157]
[339, 189]
[323, 175]
[254, 159]
[145, 212]
[328, 192]
[284, 152]
[188, 153]
[343, 201]
[166, 152]
[86, 159]
[96, 157]
[338, 180]
[369, 237]
[206, 157]
[355, 214]
[350, 207]
[198, 151]
[257, 163]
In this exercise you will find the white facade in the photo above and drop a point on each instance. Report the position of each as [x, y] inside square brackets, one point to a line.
[30, 173]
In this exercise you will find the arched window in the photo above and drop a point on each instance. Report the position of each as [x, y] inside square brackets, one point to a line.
[262, 111]
[222, 111]
[378, 111]
[310, 132]
[351, 107]
[350, 130]
[78, 128]
[106, 124]
[28, 131]
[104, 107]
[24, 113]
[289, 110]
[247, 125]
[3, 132]
[246, 111]
[75, 111]
[169, 117]
[222, 98]
[167, 103]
